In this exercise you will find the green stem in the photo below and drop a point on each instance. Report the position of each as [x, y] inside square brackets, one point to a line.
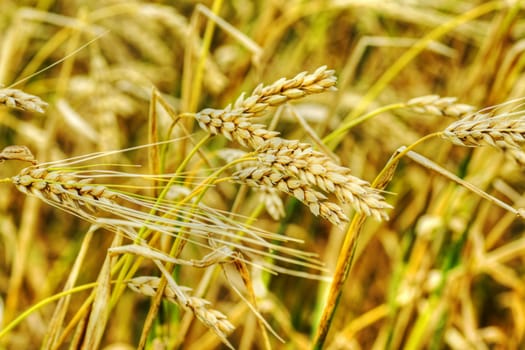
[347, 253]
[337, 133]
[42, 303]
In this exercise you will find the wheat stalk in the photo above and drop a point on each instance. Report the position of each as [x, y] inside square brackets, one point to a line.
[234, 120]
[15, 98]
[213, 319]
[317, 169]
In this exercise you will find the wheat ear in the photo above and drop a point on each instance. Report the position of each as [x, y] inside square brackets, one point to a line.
[234, 121]
[18, 99]
[504, 130]
[213, 319]
[61, 188]
[17, 152]
[317, 169]
[440, 106]
[314, 200]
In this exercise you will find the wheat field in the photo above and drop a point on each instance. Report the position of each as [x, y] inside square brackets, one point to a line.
[262, 174]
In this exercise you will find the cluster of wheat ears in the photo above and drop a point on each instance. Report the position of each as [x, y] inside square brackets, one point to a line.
[273, 164]
[199, 203]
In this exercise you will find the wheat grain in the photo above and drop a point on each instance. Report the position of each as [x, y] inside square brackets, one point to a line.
[440, 106]
[272, 202]
[269, 196]
[18, 99]
[314, 200]
[213, 319]
[315, 168]
[234, 120]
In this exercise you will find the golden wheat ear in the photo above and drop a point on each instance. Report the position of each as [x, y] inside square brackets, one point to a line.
[440, 106]
[16, 152]
[211, 318]
[317, 169]
[15, 98]
[501, 126]
[234, 121]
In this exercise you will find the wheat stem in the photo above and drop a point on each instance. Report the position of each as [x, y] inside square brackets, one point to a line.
[4, 331]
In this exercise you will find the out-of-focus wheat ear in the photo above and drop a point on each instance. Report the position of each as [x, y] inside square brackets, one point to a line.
[515, 153]
[18, 99]
[440, 106]
[317, 169]
[213, 319]
[273, 203]
[317, 202]
[16, 152]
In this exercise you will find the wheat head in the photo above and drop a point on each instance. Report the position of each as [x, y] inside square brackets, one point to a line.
[504, 130]
[213, 319]
[317, 169]
[234, 120]
[440, 106]
[18, 99]
[62, 188]
[317, 202]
